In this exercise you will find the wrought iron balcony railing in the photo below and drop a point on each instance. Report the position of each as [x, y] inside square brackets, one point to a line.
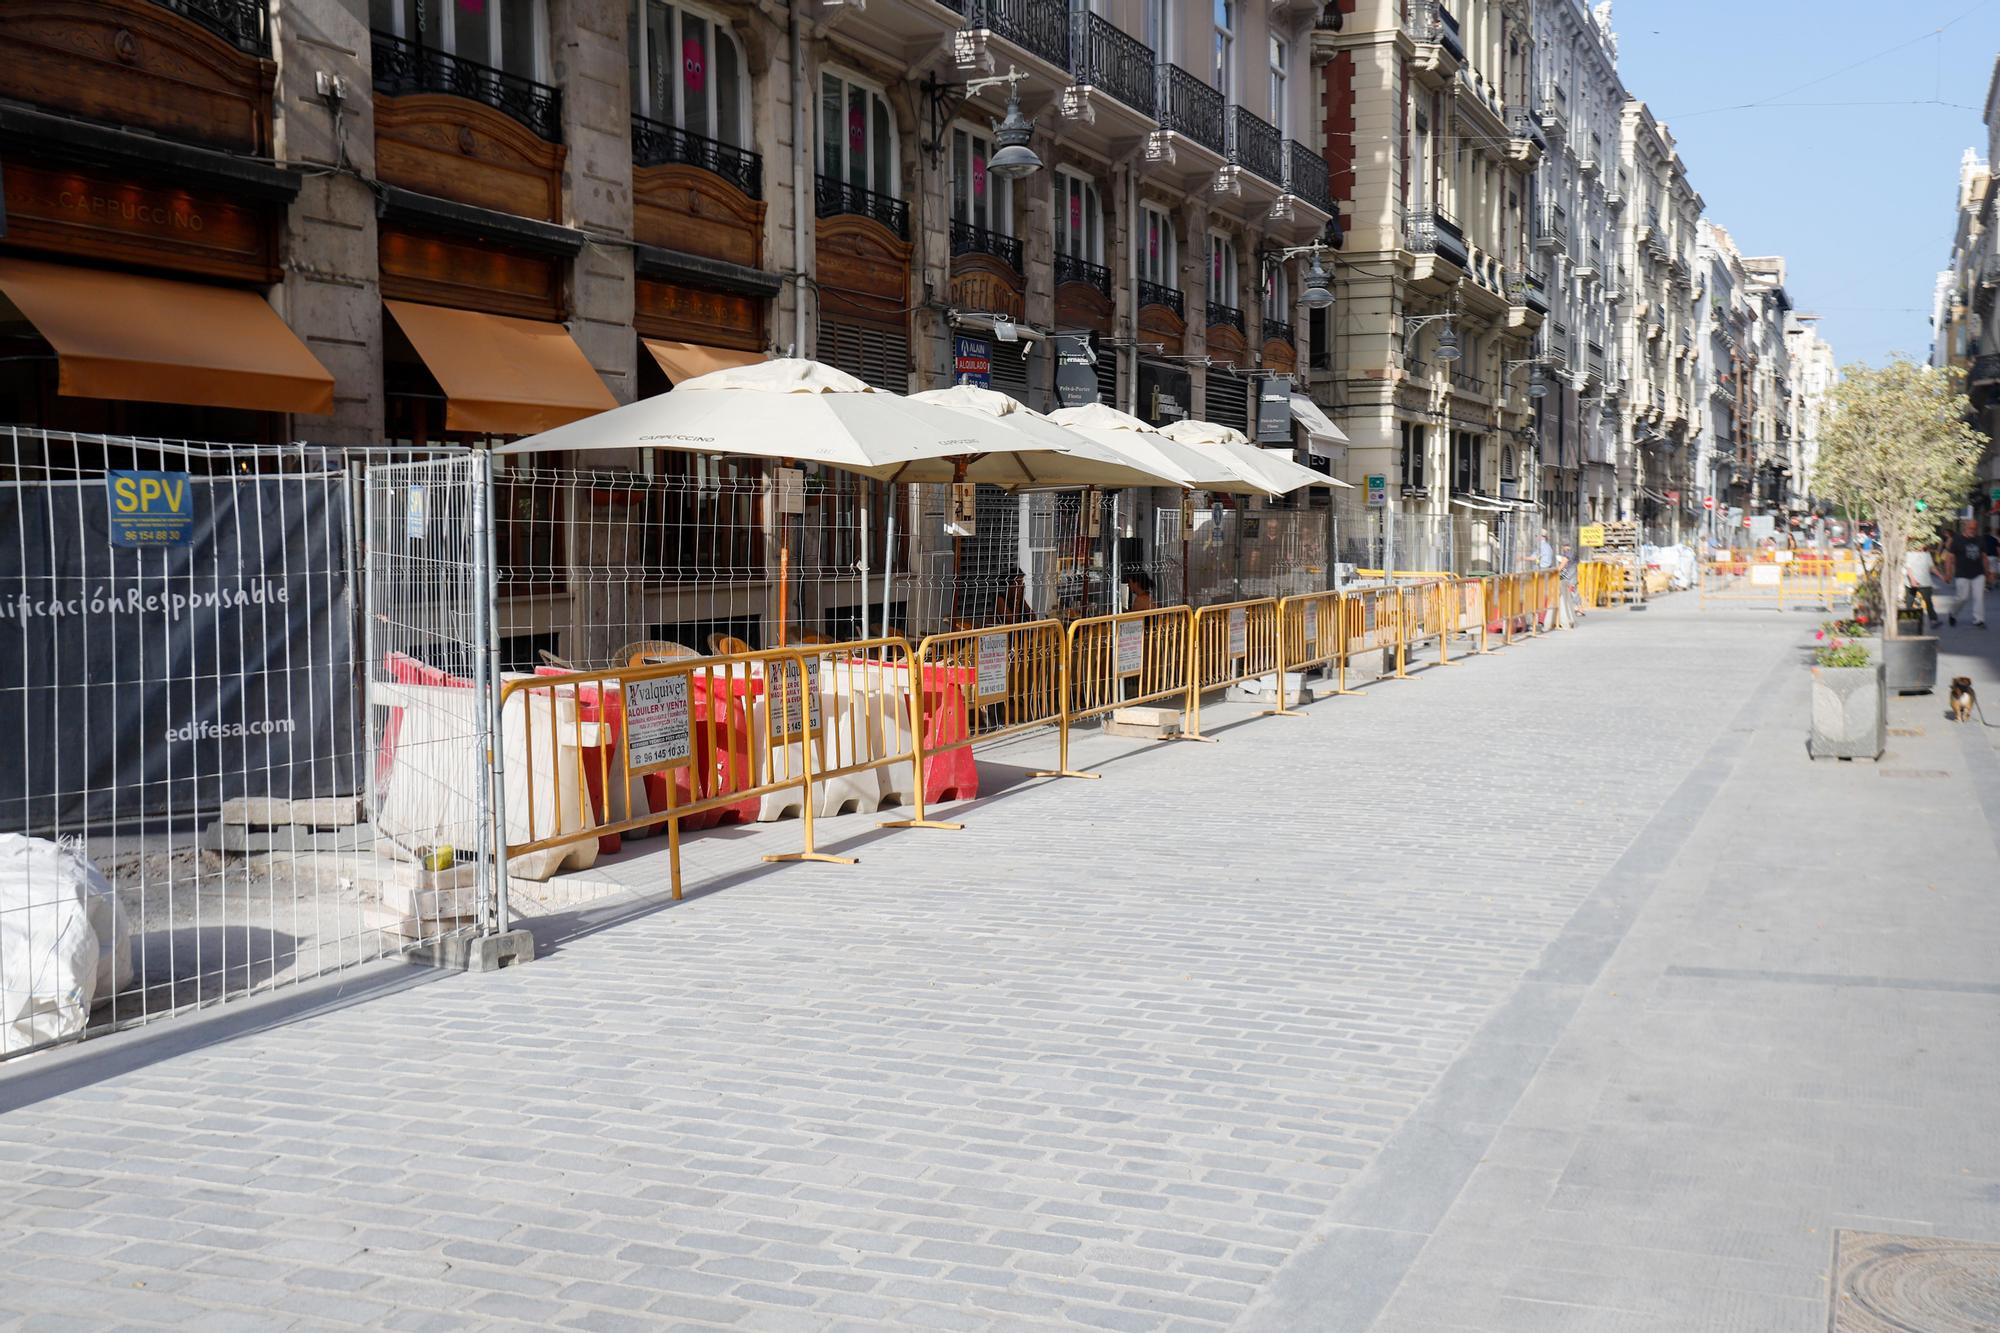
[833, 197]
[1229, 315]
[1189, 107]
[967, 239]
[1071, 269]
[1038, 26]
[1107, 57]
[1256, 146]
[1306, 176]
[1429, 23]
[403, 67]
[1428, 232]
[1153, 293]
[657, 144]
[244, 24]
[1534, 293]
[1278, 330]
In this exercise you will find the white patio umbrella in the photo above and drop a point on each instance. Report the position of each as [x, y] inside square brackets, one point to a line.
[1057, 456]
[1274, 472]
[1153, 451]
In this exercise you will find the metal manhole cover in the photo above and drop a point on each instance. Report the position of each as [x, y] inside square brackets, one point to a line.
[1914, 1284]
[1913, 772]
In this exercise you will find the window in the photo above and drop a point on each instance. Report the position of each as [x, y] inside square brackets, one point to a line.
[1465, 470]
[1222, 285]
[857, 142]
[506, 34]
[1413, 457]
[1278, 293]
[977, 195]
[1225, 48]
[1318, 333]
[688, 70]
[1157, 258]
[1079, 224]
[1281, 58]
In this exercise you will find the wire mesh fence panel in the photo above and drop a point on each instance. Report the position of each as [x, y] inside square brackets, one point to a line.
[180, 683]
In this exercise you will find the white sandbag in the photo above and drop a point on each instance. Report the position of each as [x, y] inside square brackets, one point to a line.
[64, 944]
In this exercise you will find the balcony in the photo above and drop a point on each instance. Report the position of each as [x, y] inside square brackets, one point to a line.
[1190, 108]
[833, 197]
[244, 24]
[1985, 371]
[1534, 293]
[1525, 143]
[1552, 110]
[1071, 269]
[1153, 293]
[657, 144]
[1108, 58]
[1552, 231]
[1228, 316]
[1306, 177]
[1467, 382]
[1256, 146]
[1429, 23]
[1040, 27]
[1426, 232]
[966, 239]
[403, 67]
[1278, 330]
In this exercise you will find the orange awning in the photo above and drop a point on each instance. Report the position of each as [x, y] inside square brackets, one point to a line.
[502, 375]
[155, 340]
[684, 361]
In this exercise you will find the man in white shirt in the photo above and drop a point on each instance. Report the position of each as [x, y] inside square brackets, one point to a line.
[1917, 577]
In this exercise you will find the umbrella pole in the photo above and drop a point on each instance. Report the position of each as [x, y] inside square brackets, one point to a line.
[957, 543]
[1187, 569]
[888, 563]
[864, 564]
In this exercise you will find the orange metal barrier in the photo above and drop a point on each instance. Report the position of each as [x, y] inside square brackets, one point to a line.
[1468, 598]
[1370, 618]
[1118, 661]
[1309, 636]
[1233, 642]
[1424, 612]
[1775, 582]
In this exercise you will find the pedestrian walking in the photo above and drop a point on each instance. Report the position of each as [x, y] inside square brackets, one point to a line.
[1918, 574]
[1966, 557]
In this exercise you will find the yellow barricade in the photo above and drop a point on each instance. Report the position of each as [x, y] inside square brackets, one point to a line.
[740, 732]
[1370, 618]
[1309, 636]
[1470, 609]
[1233, 642]
[1424, 610]
[982, 685]
[1601, 583]
[1119, 661]
[1772, 582]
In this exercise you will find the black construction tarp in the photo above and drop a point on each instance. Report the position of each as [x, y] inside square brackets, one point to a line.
[137, 683]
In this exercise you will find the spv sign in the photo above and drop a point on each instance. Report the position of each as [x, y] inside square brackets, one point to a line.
[150, 508]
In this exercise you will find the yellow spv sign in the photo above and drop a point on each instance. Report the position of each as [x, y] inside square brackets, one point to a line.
[1591, 534]
[150, 508]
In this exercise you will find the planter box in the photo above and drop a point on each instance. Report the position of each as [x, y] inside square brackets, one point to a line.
[1910, 664]
[1850, 712]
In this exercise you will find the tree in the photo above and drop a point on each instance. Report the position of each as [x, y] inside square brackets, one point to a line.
[1894, 447]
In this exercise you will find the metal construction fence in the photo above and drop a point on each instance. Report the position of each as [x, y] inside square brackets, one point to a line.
[285, 709]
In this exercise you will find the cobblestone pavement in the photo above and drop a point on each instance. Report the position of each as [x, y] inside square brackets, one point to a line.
[1105, 1059]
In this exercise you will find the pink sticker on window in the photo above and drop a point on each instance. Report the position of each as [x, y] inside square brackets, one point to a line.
[857, 129]
[1075, 213]
[694, 65]
[472, 7]
[978, 178]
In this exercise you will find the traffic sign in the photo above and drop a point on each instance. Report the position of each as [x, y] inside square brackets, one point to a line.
[1708, 502]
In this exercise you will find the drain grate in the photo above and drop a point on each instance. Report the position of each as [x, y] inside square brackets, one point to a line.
[1914, 1284]
[1913, 772]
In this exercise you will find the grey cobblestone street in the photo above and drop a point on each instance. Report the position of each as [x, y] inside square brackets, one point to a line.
[1508, 997]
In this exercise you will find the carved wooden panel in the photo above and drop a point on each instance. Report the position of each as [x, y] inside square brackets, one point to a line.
[1079, 305]
[679, 207]
[1158, 324]
[95, 215]
[696, 315]
[131, 62]
[455, 148]
[987, 284]
[1280, 356]
[448, 271]
[863, 269]
[1225, 344]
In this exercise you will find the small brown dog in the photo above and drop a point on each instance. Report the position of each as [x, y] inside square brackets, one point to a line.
[1963, 700]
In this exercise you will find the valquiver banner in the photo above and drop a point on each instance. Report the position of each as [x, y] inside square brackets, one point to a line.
[137, 682]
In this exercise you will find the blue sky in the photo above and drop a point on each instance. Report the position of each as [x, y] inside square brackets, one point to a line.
[1858, 198]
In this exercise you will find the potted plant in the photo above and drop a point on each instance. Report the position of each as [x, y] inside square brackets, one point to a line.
[1850, 701]
[1894, 447]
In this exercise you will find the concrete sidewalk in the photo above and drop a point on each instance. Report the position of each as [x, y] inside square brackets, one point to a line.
[1238, 1035]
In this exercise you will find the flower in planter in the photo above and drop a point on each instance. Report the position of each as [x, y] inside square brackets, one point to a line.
[1837, 652]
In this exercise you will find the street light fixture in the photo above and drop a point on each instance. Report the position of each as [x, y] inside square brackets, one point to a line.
[1318, 293]
[1447, 343]
[1012, 157]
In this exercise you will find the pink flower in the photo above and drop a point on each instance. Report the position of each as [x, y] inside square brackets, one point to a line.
[1819, 634]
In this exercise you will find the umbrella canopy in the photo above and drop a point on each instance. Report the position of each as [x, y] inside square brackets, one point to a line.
[1157, 453]
[1277, 474]
[788, 409]
[1056, 456]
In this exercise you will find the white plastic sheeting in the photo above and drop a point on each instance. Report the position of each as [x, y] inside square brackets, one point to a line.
[64, 943]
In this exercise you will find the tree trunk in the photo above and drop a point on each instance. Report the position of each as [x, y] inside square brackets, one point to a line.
[1895, 544]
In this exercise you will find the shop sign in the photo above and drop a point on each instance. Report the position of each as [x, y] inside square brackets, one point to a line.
[150, 508]
[1076, 370]
[972, 362]
[1274, 411]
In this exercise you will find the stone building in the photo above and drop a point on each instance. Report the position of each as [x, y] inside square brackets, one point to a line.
[1656, 482]
[1773, 482]
[1578, 200]
[1724, 384]
[1433, 141]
